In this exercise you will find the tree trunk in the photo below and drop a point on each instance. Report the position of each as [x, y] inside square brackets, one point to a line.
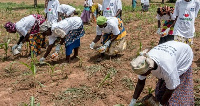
[35, 3]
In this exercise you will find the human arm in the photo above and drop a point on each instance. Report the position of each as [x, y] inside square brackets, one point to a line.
[49, 48]
[166, 96]
[119, 11]
[139, 87]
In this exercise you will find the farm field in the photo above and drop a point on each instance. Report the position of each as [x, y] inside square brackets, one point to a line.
[83, 82]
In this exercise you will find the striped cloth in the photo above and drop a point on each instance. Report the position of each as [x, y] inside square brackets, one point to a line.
[183, 94]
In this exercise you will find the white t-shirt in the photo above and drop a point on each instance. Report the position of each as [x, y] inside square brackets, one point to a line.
[25, 25]
[173, 59]
[66, 25]
[99, 6]
[112, 27]
[51, 10]
[186, 12]
[165, 17]
[142, 1]
[67, 9]
[90, 3]
[146, 2]
[110, 7]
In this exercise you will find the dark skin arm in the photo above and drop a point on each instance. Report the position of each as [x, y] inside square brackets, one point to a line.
[166, 96]
[159, 23]
[23, 39]
[97, 38]
[118, 13]
[139, 87]
[49, 50]
[46, 16]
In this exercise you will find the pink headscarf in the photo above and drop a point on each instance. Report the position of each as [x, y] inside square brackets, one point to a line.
[10, 27]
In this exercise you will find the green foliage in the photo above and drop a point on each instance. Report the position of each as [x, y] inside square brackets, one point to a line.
[5, 46]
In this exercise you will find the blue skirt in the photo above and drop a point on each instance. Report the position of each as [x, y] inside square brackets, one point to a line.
[72, 46]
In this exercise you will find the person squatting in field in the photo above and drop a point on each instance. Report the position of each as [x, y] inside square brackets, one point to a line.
[171, 63]
[114, 35]
[165, 13]
[70, 30]
[28, 29]
[185, 13]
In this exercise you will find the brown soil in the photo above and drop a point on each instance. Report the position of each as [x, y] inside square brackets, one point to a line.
[79, 83]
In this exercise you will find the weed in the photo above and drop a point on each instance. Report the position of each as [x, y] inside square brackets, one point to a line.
[128, 83]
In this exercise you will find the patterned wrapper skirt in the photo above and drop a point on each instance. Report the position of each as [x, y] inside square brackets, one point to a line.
[73, 39]
[119, 44]
[183, 94]
[85, 15]
[188, 41]
[36, 41]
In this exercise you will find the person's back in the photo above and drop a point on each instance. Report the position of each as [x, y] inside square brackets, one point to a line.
[25, 24]
[172, 56]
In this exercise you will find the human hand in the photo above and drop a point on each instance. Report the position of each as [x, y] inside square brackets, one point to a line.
[92, 45]
[133, 102]
[166, 32]
[58, 48]
[107, 43]
[158, 31]
[42, 60]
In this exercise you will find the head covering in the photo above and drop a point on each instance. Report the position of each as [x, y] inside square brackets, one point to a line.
[45, 26]
[142, 64]
[101, 20]
[10, 27]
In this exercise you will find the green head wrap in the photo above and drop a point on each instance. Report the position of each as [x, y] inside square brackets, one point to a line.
[101, 20]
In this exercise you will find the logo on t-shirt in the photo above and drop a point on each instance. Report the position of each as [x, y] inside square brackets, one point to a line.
[192, 9]
[107, 8]
[111, 4]
[186, 15]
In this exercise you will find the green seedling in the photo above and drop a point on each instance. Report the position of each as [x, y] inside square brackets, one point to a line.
[5, 46]
[150, 90]
[105, 78]
[80, 61]
[32, 65]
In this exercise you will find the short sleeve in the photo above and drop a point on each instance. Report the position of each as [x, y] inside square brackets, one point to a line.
[158, 17]
[98, 30]
[119, 5]
[52, 39]
[176, 10]
[60, 9]
[197, 8]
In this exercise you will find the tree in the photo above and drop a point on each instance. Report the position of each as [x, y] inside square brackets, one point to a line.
[35, 3]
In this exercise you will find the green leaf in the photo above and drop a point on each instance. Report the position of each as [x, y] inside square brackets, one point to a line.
[32, 101]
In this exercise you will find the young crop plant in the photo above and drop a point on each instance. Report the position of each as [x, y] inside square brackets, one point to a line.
[5, 46]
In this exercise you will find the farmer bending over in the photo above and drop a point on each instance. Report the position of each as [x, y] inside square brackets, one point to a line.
[171, 63]
[69, 30]
[28, 29]
[114, 35]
